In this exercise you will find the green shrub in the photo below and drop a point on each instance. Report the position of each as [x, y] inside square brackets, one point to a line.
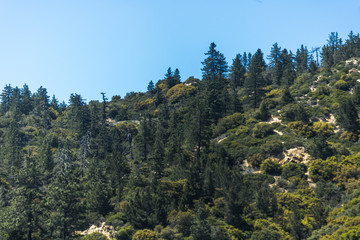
[323, 128]
[255, 160]
[272, 147]
[293, 170]
[271, 166]
[342, 85]
[125, 232]
[144, 234]
[179, 91]
[294, 112]
[301, 129]
[229, 122]
[262, 130]
[242, 130]
[94, 236]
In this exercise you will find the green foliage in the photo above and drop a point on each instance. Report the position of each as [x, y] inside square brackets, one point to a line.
[301, 129]
[262, 130]
[348, 117]
[94, 236]
[323, 128]
[271, 166]
[256, 160]
[272, 147]
[179, 91]
[342, 85]
[294, 112]
[145, 234]
[169, 163]
[228, 122]
[125, 232]
[293, 170]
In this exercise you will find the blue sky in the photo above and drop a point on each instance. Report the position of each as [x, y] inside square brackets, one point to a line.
[118, 46]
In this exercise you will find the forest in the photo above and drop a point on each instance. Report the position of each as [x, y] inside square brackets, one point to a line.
[266, 147]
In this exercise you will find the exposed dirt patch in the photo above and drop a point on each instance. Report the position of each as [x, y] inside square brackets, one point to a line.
[332, 120]
[106, 230]
[278, 132]
[221, 138]
[296, 155]
[352, 61]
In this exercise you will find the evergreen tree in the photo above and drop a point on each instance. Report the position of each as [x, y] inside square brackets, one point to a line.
[255, 80]
[41, 105]
[63, 198]
[6, 96]
[287, 65]
[13, 143]
[25, 205]
[144, 139]
[174, 146]
[214, 77]
[286, 97]
[237, 72]
[46, 160]
[26, 100]
[198, 126]
[313, 66]
[236, 199]
[177, 76]
[151, 86]
[172, 78]
[331, 52]
[302, 59]
[97, 187]
[348, 116]
[54, 103]
[276, 65]
[158, 151]
[200, 230]
[215, 64]
[245, 60]
[78, 115]
[356, 95]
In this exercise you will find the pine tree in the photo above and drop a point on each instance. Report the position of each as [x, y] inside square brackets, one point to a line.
[286, 97]
[356, 95]
[97, 187]
[348, 116]
[54, 103]
[46, 159]
[41, 107]
[198, 126]
[6, 96]
[78, 115]
[151, 86]
[237, 72]
[255, 80]
[177, 76]
[302, 60]
[275, 65]
[236, 198]
[215, 64]
[25, 205]
[13, 143]
[331, 53]
[144, 139]
[63, 197]
[214, 78]
[26, 100]
[288, 69]
[172, 78]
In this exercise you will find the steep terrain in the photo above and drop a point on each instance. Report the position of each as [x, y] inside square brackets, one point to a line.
[261, 150]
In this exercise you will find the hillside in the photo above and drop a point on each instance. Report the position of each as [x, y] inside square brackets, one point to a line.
[260, 150]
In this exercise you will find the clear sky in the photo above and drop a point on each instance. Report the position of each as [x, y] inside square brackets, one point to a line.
[118, 46]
